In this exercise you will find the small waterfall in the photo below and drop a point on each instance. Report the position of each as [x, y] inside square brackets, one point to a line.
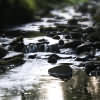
[39, 47]
[30, 48]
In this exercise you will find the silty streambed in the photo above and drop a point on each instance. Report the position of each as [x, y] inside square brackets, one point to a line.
[31, 80]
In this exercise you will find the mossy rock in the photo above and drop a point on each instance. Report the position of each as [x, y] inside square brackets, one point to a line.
[11, 62]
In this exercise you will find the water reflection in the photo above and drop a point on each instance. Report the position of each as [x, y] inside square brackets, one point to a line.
[80, 87]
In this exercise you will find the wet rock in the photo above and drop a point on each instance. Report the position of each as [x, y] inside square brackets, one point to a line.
[11, 62]
[91, 66]
[72, 44]
[82, 59]
[61, 42]
[3, 52]
[63, 71]
[32, 56]
[76, 35]
[89, 30]
[97, 15]
[84, 47]
[83, 8]
[67, 36]
[53, 58]
[96, 45]
[48, 29]
[73, 21]
[93, 37]
[17, 45]
[43, 41]
[72, 27]
[54, 48]
[12, 33]
[56, 37]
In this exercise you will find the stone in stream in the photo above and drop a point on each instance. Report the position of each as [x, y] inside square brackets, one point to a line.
[73, 21]
[56, 37]
[72, 44]
[54, 48]
[53, 58]
[11, 33]
[84, 47]
[76, 35]
[3, 52]
[62, 71]
[17, 45]
[11, 62]
[32, 56]
[91, 67]
[97, 44]
[61, 42]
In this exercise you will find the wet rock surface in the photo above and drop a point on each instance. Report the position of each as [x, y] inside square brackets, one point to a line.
[11, 62]
[63, 71]
[3, 52]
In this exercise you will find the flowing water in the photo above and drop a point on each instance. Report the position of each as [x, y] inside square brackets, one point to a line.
[31, 80]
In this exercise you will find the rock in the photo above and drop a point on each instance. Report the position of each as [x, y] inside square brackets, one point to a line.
[53, 58]
[3, 52]
[97, 44]
[54, 48]
[61, 42]
[48, 29]
[11, 62]
[89, 30]
[81, 59]
[73, 21]
[83, 8]
[72, 44]
[93, 37]
[56, 37]
[84, 47]
[17, 45]
[63, 71]
[90, 66]
[32, 56]
[76, 35]
[43, 41]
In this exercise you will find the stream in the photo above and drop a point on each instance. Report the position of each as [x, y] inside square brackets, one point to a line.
[31, 81]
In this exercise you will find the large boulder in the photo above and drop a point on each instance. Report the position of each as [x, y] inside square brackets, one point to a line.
[11, 62]
[63, 71]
